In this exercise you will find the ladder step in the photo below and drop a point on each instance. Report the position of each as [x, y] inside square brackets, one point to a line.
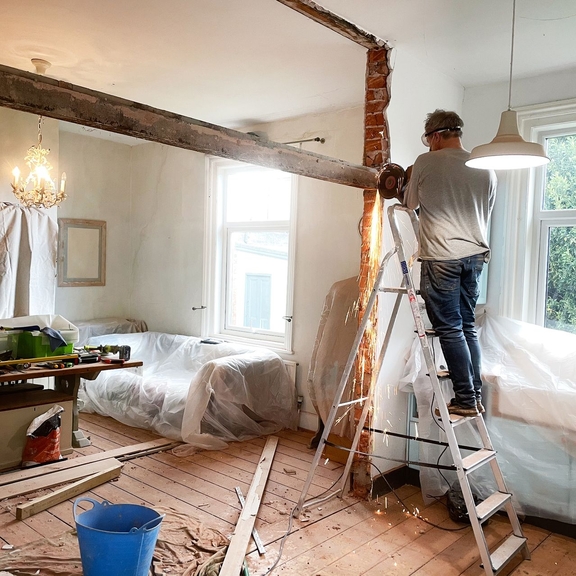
[477, 459]
[356, 401]
[502, 555]
[491, 505]
[456, 419]
[394, 290]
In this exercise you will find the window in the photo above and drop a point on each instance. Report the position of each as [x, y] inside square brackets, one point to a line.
[556, 213]
[250, 253]
[539, 261]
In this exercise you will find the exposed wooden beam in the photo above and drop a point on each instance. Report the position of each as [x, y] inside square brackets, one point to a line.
[55, 99]
[336, 23]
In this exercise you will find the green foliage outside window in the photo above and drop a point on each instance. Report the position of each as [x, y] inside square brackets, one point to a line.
[560, 194]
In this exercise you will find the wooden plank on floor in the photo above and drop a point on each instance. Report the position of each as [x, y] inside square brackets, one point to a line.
[240, 539]
[76, 488]
[370, 542]
[46, 481]
[27, 474]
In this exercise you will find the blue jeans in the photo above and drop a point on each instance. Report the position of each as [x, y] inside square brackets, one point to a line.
[450, 289]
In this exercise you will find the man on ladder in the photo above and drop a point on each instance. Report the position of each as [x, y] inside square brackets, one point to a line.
[455, 205]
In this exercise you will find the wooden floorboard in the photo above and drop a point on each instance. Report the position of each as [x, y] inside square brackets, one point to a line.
[341, 537]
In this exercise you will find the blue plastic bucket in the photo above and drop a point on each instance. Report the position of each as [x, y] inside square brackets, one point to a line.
[116, 539]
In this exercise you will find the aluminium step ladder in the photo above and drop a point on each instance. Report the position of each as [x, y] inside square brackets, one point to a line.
[493, 562]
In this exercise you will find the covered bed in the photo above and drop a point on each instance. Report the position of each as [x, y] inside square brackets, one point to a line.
[205, 394]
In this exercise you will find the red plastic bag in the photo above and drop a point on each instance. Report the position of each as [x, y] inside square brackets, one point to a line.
[43, 438]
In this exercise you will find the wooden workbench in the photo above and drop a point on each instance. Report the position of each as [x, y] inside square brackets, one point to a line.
[67, 382]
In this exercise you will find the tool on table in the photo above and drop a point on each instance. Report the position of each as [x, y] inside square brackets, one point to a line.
[87, 357]
[73, 358]
[123, 350]
[55, 365]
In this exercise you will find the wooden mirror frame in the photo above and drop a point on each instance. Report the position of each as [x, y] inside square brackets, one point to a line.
[81, 254]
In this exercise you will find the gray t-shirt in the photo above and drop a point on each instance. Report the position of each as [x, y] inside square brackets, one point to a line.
[455, 204]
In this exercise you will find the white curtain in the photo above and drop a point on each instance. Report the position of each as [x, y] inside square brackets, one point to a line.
[28, 240]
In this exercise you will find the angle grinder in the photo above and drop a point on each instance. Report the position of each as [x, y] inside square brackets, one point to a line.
[391, 180]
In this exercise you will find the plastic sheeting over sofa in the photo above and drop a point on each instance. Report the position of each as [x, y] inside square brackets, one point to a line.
[529, 375]
[204, 394]
[101, 326]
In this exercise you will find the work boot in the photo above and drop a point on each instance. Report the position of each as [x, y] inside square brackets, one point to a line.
[480, 407]
[459, 410]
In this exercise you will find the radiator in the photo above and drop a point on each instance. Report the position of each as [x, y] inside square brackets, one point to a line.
[291, 367]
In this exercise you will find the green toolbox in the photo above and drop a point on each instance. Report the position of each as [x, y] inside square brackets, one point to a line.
[37, 345]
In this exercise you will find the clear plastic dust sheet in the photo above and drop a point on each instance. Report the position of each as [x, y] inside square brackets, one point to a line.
[203, 394]
[529, 375]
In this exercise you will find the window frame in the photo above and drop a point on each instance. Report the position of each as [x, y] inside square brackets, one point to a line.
[217, 262]
[526, 222]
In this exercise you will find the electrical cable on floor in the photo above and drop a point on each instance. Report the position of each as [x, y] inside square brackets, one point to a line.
[290, 520]
[415, 514]
[287, 533]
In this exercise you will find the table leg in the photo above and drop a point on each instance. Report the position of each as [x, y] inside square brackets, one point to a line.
[69, 384]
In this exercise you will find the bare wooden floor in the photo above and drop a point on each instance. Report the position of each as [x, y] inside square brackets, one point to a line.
[341, 537]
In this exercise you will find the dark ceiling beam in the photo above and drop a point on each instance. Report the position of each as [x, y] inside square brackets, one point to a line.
[45, 96]
[335, 23]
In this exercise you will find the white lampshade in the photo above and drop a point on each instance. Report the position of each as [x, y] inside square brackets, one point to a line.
[508, 150]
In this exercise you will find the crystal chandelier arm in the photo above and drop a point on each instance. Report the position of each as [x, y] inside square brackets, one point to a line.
[38, 189]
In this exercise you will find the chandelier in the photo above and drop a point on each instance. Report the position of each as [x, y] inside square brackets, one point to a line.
[38, 189]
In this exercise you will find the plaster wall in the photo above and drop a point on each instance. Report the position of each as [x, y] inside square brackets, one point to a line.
[98, 188]
[166, 237]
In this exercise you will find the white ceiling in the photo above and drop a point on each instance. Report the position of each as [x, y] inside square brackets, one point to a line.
[241, 62]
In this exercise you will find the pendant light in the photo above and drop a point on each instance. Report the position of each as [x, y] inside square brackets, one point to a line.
[508, 150]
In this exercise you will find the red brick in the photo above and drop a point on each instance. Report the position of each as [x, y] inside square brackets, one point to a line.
[378, 94]
[373, 133]
[374, 106]
[375, 68]
[376, 119]
[372, 146]
[377, 81]
[376, 54]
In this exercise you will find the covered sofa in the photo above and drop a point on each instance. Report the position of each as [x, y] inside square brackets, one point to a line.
[204, 394]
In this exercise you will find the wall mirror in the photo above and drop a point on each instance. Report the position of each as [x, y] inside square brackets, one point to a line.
[81, 252]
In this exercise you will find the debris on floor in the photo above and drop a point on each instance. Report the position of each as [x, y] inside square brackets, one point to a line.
[184, 544]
